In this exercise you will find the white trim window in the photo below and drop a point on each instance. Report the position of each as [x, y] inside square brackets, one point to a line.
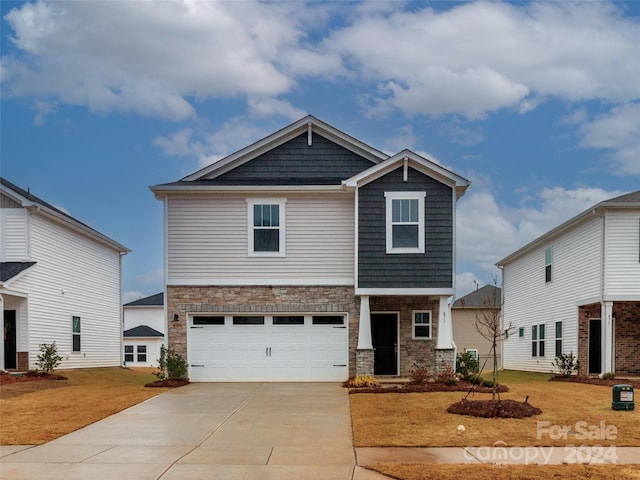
[421, 325]
[266, 227]
[548, 260]
[405, 222]
[537, 340]
[75, 334]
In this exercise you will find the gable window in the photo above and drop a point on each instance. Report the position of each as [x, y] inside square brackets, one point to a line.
[422, 325]
[405, 222]
[266, 227]
[537, 340]
[548, 257]
[128, 353]
[75, 333]
[558, 338]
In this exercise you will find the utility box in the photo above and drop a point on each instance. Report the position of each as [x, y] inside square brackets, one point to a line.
[623, 397]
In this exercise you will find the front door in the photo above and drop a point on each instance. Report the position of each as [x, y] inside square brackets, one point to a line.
[595, 346]
[10, 361]
[384, 335]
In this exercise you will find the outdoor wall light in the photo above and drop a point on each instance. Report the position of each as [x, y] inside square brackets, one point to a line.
[176, 317]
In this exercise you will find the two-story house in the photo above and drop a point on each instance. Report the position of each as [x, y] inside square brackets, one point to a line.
[310, 255]
[59, 282]
[576, 289]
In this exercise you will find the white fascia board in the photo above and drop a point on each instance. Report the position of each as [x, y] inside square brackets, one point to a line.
[416, 162]
[621, 298]
[247, 282]
[284, 135]
[12, 293]
[15, 196]
[159, 190]
[406, 291]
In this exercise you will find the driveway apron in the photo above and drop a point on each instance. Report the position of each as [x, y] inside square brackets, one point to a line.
[206, 431]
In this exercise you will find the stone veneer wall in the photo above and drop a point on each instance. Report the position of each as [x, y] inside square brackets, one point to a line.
[364, 362]
[260, 299]
[412, 352]
[627, 331]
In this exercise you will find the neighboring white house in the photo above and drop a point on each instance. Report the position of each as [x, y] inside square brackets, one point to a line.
[59, 282]
[144, 326]
[311, 256]
[577, 289]
[480, 305]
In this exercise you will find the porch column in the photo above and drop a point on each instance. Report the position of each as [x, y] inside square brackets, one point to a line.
[445, 328]
[607, 337]
[2, 338]
[364, 327]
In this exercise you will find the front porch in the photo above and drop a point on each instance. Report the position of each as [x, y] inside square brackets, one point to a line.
[397, 333]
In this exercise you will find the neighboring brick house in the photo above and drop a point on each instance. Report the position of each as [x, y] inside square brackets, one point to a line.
[59, 282]
[144, 323]
[310, 255]
[481, 305]
[577, 289]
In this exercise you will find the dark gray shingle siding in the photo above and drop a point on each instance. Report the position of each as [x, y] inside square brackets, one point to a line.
[324, 162]
[434, 268]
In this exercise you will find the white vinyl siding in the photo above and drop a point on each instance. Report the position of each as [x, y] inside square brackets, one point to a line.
[529, 300]
[13, 235]
[622, 266]
[74, 275]
[207, 241]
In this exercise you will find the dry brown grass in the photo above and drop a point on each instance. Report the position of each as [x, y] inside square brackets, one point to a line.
[420, 419]
[89, 395]
[510, 472]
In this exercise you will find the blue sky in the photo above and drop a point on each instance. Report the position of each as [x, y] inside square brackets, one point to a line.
[538, 104]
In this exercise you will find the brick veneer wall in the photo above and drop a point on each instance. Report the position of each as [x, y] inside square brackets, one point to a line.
[627, 331]
[23, 361]
[585, 313]
[262, 299]
[412, 352]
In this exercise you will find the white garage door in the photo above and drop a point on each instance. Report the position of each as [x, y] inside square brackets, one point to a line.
[291, 347]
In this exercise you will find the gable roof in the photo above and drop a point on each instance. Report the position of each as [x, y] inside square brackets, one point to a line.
[156, 300]
[307, 125]
[10, 270]
[142, 331]
[479, 298]
[28, 200]
[628, 200]
[413, 160]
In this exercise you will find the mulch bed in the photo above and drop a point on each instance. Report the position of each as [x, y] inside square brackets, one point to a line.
[168, 383]
[494, 408]
[461, 386]
[7, 378]
[596, 381]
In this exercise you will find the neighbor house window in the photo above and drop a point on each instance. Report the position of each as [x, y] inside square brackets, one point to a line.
[405, 222]
[142, 353]
[521, 332]
[128, 353]
[558, 338]
[548, 257]
[422, 325]
[537, 340]
[75, 333]
[266, 227]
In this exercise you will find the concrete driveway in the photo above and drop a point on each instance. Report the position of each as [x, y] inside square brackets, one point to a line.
[207, 431]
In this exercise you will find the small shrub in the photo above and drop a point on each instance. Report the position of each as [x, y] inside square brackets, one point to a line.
[363, 381]
[567, 364]
[419, 375]
[48, 359]
[447, 376]
[608, 376]
[467, 365]
[171, 365]
[487, 383]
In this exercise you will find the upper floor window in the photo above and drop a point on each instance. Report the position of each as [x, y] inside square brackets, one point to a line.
[266, 227]
[405, 222]
[75, 333]
[548, 257]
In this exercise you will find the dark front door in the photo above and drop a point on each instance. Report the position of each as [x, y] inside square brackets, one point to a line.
[384, 335]
[10, 339]
[595, 346]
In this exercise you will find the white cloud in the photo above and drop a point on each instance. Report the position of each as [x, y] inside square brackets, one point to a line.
[619, 132]
[179, 143]
[132, 295]
[271, 107]
[460, 134]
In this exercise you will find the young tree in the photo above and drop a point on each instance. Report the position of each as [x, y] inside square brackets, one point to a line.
[488, 323]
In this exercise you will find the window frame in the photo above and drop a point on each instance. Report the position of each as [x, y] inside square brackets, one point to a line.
[414, 325]
[130, 353]
[475, 352]
[389, 198]
[251, 203]
[548, 264]
[558, 339]
[141, 352]
[75, 334]
[538, 337]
